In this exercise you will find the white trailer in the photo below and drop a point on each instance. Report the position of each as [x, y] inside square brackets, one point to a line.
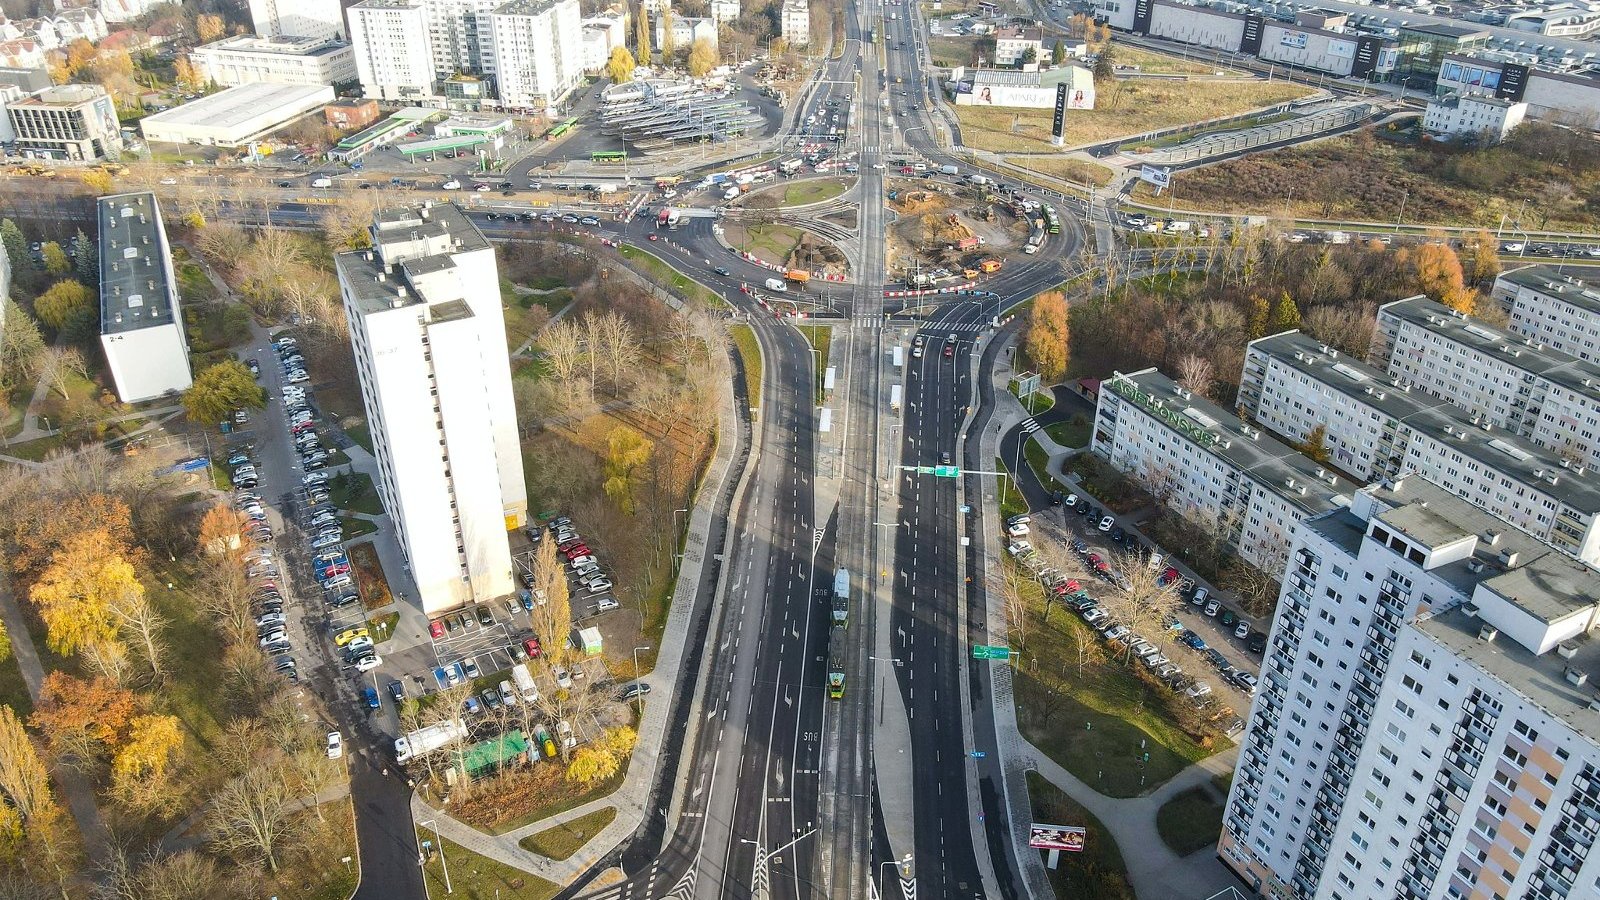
[426, 740]
[899, 357]
[894, 397]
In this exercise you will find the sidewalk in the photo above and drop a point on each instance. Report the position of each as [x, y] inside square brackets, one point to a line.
[631, 798]
[1153, 869]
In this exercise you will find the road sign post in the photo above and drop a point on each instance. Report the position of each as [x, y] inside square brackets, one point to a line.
[986, 651]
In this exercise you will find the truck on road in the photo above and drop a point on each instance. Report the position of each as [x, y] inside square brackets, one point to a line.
[776, 284]
[949, 170]
[798, 276]
[894, 397]
[426, 740]
[322, 181]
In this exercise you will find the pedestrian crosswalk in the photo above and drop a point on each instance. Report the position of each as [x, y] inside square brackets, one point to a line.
[1030, 425]
[870, 320]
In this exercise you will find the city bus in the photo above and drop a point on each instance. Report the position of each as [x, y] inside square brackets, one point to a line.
[561, 129]
[609, 156]
[836, 664]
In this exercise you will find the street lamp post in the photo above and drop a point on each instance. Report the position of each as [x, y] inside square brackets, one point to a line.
[439, 842]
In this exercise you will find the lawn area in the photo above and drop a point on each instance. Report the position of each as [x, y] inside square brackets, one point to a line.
[354, 492]
[1039, 461]
[821, 338]
[772, 243]
[1106, 484]
[566, 839]
[1012, 502]
[1128, 108]
[1190, 821]
[1363, 177]
[750, 353]
[951, 50]
[382, 627]
[1151, 63]
[1078, 171]
[361, 434]
[559, 798]
[671, 278]
[193, 285]
[1040, 401]
[814, 190]
[1074, 432]
[474, 877]
[13, 690]
[1093, 713]
[1098, 871]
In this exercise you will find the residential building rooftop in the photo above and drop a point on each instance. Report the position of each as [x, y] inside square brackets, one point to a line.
[134, 291]
[1527, 354]
[1575, 289]
[1270, 463]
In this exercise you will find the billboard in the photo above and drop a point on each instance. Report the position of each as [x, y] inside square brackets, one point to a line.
[1028, 96]
[1058, 126]
[1057, 837]
[1157, 176]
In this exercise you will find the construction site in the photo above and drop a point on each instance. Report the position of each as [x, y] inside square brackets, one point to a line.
[949, 233]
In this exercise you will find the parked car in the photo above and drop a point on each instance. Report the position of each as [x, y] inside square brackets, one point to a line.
[563, 678]
[1242, 631]
[1256, 642]
[335, 745]
[1106, 524]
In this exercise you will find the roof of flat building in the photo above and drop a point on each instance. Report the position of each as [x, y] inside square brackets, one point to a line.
[1542, 679]
[1524, 353]
[1574, 289]
[1503, 451]
[242, 104]
[134, 290]
[408, 241]
[1273, 465]
[1449, 31]
[1526, 572]
[63, 95]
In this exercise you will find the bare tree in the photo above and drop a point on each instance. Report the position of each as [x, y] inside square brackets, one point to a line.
[1348, 329]
[53, 364]
[618, 342]
[563, 344]
[1195, 373]
[1143, 602]
[250, 815]
[143, 625]
[226, 596]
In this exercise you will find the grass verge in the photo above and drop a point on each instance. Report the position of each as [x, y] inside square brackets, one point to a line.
[671, 278]
[572, 797]
[1098, 871]
[474, 877]
[1072, 433]
[354, 492]
[568, 838]
[821, 339]
[744, 338]
[382, 627]
[813, 190]
[1039, 461]
[1012, 502]
[1190, 821]
[1123, 109]
[773, 243]
[1077, 171]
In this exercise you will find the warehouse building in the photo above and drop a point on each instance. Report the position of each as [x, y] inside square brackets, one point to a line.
[236, 116]
[141, 322]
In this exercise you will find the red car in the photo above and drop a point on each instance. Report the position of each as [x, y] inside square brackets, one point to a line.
[532, 646]
[949, 350]
[652, 238]
[341, 569]
[436, 628]
[1094, 559]
[580, 550]
[568, 545]
[1169, 576]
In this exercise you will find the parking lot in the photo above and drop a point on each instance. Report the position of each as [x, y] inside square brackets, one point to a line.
[1067, 548]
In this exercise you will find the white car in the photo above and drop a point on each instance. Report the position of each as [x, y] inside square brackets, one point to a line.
[1515, 247]
[1018, 548]
[169, 181]
[1018, 530]
[606, 604]
[451, 185]
[563, 678]
[368, 663]
[335, 745]
[1107, 523]
[1197, 690]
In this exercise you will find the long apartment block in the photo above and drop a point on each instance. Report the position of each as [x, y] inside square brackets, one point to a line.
[1209, 466]
[1378, 426]
[1557, 309]
[1518, 383]
[1428, 722]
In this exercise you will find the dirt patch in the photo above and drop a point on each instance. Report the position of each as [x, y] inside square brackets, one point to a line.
[817, 255]
[844, 219]
[942, 225]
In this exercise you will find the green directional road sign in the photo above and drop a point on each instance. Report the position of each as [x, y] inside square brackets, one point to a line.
[984, 651]
[947, 471]
[925, 470]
